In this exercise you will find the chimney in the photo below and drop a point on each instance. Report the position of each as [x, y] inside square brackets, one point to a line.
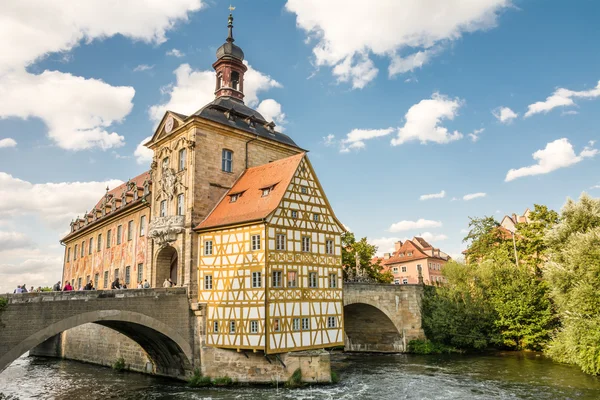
[397, 245]
[386, 256]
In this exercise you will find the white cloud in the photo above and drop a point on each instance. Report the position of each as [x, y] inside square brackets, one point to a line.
[55, 203]
[355, 140]
[77, 111]
[143, 67]
[7, 142]
[423, 121]
[433, 237]
[504, 114]
[556, 154]
[175, 53]
[561, 98]
[439, 195]
[595, 187]
[329, 139]
[475, 134]
[569, 112]
[142, 154]
[346, 32]
[472, 196]
[412, 225]
[464, 231]
[14, 241]
[271, 110]
[194, 89]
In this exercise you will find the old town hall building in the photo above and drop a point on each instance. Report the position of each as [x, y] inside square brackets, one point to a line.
[231, 209]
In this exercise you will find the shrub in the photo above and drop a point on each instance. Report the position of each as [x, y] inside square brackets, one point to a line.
[222, 381]
[335, 378]
[119, 365]
[3, 303]
[198, 380]
[420, 346]
[295, 380]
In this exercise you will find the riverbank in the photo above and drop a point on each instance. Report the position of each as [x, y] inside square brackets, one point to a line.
[363, 377]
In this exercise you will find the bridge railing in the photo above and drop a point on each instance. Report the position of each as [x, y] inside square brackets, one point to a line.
[33, 297]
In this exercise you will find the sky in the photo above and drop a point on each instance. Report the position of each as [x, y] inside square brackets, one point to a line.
[417, 114]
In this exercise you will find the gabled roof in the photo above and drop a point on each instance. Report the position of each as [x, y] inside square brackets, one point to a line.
[251, 205]
[407, 246]
[422, 243]
[116, 192]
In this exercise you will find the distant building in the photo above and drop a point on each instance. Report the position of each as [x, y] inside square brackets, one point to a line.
[413, 258]
[510, 222]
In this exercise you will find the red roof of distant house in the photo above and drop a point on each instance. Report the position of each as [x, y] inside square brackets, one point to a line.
[251, 205]
[422, 242]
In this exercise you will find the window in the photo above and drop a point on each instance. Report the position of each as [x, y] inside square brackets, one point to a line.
[208, 282]
[142, 225]
[96, 278]
[91, 246]
[430, 265]
[108, 237]
[409, 253]
[401, 254]
[395, 270]
[303, 189]
[256, 279]
[316, 217]
[182, 154]
[333, 281]
[292, 279]
[329, 246]
[105, 280]
[276, 326]
[233, 198]
[405, 281]
[396, 281]
[305, 243]
[140, 271]
[313, 280]
[296, 324]
[127, 275]
[82, 249]
[276, 281]
[227, 160]
[255, 242]
[266, 191]
[119, 233]
[216, 326]
[68, 254]
[404, 268]
[253, 326]
[75, 253]
[331, 322]
[280, 242]
[165, 164]
[231, 326]
[130, 230]
[305, 324]
[99, 244]
[78, 283]
[294, 214]
[235, 80]
[116, 275]
[180, 204]
[208, 248]
[163, 208]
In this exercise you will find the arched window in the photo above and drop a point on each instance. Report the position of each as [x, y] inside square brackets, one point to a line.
[219, 80]
[235, 80]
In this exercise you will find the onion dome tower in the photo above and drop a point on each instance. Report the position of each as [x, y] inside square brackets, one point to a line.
[230, 68]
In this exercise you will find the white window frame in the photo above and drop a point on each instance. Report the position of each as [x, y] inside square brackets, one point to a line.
[254, 326]
[280, 241]
[180, 204]
[306, 244]
[232, 327]
[296, 324]
[276, 279]
[182, 159]
[404, 268]
[227, 160]
[257, 279]
[333, 281]
[395, 270]
[305, 324]
[208, 247]
[331, 322]
[313, 279]
[405, 281]
[215, 326]
[255, 242]
[208, 282]
[329, 246]
[163, 208]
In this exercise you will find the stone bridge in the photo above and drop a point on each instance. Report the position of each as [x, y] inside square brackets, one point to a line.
[381, 318]
[159, 320]
[169, 328]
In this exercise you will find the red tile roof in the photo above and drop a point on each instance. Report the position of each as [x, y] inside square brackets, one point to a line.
[116, 192]
[251, 205]
[422, 242]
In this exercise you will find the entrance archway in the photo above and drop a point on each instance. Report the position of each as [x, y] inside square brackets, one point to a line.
[368, 329]
[166, 265]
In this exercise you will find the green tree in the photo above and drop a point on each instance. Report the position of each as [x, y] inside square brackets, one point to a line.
[573, 273]
[487, 241]
[530, 238]
[357, 256]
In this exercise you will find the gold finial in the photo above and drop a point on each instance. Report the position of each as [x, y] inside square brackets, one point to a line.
[231, 8]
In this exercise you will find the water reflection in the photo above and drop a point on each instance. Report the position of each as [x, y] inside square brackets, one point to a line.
[498, 376]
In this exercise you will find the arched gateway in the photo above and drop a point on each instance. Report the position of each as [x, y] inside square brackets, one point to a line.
[145, 316]
[167, 265]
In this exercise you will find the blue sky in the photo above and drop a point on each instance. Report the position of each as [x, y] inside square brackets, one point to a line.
[76, 100]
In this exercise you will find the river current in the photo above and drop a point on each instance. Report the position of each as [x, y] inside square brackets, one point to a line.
[381, 377]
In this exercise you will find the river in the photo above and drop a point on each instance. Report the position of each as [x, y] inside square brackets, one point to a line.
[381, 377]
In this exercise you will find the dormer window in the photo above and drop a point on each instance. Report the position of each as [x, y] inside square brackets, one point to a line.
[266, 191]
[409, 253]
[233, 198]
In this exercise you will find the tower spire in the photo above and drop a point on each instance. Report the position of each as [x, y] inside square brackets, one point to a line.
[230, 38]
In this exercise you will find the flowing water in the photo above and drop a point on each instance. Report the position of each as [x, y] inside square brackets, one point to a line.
[381, 377]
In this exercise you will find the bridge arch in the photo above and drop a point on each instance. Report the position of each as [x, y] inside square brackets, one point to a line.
[170, 353]
[370, 328]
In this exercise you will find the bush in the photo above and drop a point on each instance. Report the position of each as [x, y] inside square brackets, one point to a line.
[295, 380]
[222, 381]
[3, 303]
[119, 365]
[335, 378]
[198, 380]
[420, 346]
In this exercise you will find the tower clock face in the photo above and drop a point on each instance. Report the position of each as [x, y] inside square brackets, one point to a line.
[169, 124]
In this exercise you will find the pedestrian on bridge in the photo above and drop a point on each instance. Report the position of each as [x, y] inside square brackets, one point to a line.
[146, 284]
[116, 284]
[68, 287]
[24, 288]
[56, 287]
[18, 289]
